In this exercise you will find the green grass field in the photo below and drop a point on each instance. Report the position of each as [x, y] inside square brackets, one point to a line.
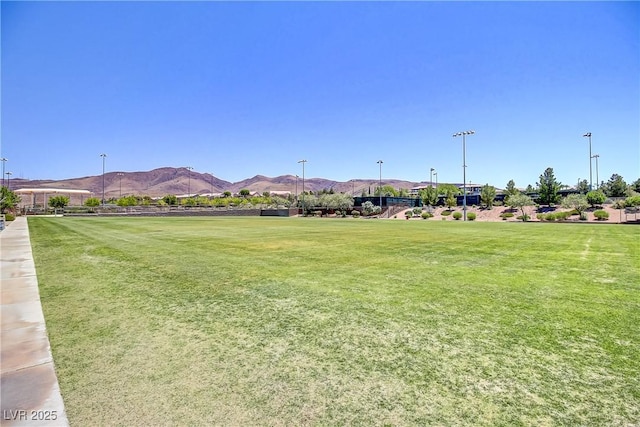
[302, 321]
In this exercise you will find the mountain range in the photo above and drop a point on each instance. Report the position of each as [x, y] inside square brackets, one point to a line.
[182, 181]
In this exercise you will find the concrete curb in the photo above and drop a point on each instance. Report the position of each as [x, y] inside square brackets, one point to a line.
[29, 391]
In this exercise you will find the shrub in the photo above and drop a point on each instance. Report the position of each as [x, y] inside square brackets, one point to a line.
[446, 213]
[171, 199]
[524, 217]
[355, 214]
[506, 215]
[457, 215]
[367, 208]
[471, 216]
[596, 198]
[601, 215]
[583, 216]
[416, 211]
[92, 202]
[632, 201]
[9, 217]
[426, 215]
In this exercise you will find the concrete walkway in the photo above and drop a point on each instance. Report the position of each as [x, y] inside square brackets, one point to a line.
[29, 391]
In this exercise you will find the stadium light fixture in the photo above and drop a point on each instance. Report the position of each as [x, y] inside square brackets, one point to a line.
[464, 169]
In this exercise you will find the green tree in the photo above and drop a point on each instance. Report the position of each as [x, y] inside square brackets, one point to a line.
[596, 198]
[58, 202]
[244, 192]
[8, 199]
[450, 199]
[548, 188]
[488, 195]
[327, 201]
[308, 201]
[429, 196]
[520, 201]
[128, 201]
[615, 187]
[635, 186]
[189, 201]
[92, 202]
[529, 189]
[170, 199]
[387, 191]
[510, 189]
[227, 194]
[445, 189]
[578, 202]
[346, 202]
[337, 201]
[583, 186]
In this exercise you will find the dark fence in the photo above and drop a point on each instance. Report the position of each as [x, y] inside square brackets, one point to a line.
[278, 212]
[388, 201]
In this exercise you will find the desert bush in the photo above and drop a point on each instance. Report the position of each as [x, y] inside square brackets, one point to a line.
[471, 216]
[524, 217]
[601, 215]
[596, 198]
[583, 216]
[554, 216]
[426, 215]
[58, 202]
[506, 215]
[446, 213]
[457, 215]
[9, 217]
[632, 201]
[417, 211]
[355, 214]
[92, 202]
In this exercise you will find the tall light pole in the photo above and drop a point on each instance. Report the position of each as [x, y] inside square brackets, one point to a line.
[3, 160]
[189, 169]
[104, 156]
[464, 169]
[380, 183]
[120, 174]
[297, 191]
[8, 180]
[596, 156]
[303, 162]
[437, 195]
[588, 135]
[431, 177]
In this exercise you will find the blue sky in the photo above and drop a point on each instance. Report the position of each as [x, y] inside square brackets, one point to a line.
[244, 88]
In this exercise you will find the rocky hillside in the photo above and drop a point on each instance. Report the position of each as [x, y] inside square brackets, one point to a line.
[180, 181]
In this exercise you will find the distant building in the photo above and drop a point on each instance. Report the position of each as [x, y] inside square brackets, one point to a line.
[39, 197]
